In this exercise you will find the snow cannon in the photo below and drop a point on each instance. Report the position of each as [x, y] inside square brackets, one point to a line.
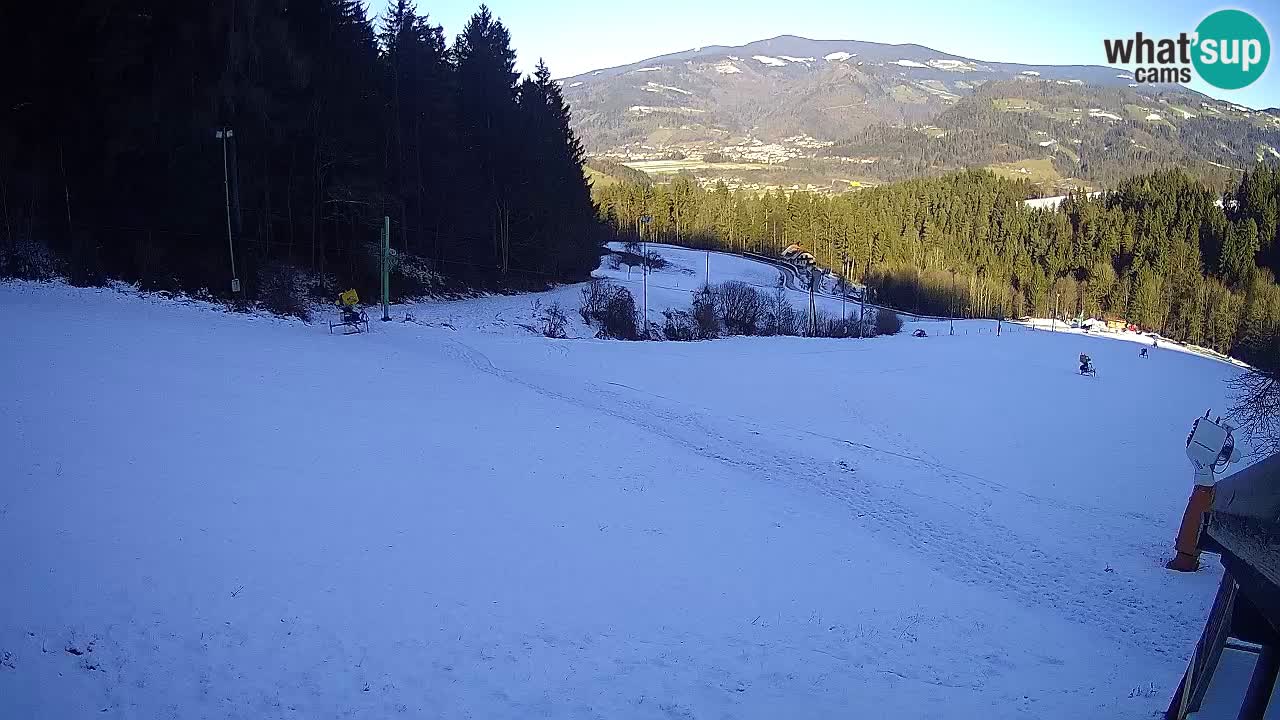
[1210, 448]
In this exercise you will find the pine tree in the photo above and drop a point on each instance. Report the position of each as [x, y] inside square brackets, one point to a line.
[1238, 252]
[421, 131]
[555, 199]
[487, 102]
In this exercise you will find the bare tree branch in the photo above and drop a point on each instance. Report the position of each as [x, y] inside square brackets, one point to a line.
[1255, 409]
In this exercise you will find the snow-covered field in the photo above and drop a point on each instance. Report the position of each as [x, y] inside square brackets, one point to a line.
[209, 514]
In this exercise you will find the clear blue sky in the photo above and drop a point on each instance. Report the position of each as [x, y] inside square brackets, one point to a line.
[575, 36]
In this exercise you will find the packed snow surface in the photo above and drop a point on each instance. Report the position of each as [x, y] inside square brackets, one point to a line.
[216, 514]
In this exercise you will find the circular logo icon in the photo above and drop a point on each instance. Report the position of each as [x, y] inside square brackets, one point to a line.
[1232, 50]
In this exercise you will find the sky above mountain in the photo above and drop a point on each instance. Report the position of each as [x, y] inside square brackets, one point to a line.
[574, 36]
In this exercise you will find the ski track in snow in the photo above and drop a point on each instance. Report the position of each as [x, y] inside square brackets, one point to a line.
[1033, 579]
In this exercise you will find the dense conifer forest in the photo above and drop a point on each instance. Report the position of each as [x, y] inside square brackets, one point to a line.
[1162, 250]
[113, 150]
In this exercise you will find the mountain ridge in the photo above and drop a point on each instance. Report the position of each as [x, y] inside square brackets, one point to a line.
[789, 111]
[876, 49]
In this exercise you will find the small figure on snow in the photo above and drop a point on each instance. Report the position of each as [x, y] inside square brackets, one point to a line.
[349, 301]
[1086, 365]
[1143, 353]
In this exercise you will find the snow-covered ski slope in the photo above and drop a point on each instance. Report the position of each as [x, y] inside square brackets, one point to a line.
[672, 286]
[230, 515]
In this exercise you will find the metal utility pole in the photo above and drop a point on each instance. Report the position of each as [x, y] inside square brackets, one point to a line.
[814, 274]
[644, 252]
[862, 309]
[844, 292]
[223, 135]
[386, 266]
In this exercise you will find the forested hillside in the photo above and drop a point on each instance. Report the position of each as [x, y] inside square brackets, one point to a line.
[110, 154]
[1103, 134]
[829, 115]
[1158, 251]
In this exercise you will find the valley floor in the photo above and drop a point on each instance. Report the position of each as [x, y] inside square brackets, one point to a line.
[208, 514]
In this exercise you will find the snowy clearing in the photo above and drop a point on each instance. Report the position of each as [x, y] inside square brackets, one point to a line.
[953, 65]
[908, 63]
[230, 515]
[770, 61]
[840, 56]
[726, 68]
[650, 109]
[658, 87]
[1030, 73]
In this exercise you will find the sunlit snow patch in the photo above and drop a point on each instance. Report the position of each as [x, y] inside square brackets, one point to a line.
[952, 65]
[770, 61]
[655, 87]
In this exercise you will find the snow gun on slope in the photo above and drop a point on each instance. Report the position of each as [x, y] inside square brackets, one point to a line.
[1210, 448]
